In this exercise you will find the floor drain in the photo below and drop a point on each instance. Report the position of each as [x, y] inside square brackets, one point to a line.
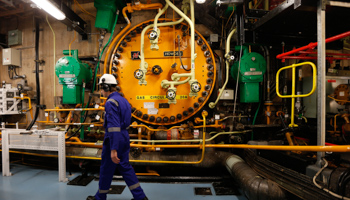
[202, 191]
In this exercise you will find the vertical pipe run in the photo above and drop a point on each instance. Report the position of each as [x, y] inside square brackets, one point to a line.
[321, 80]
[36, 74]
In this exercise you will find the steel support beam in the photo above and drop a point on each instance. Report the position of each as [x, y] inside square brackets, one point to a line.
[72, 19]
[321, 78]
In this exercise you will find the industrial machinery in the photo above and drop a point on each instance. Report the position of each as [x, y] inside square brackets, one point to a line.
[249, 71]
[73, 75]
[9, 105]
[196, 97]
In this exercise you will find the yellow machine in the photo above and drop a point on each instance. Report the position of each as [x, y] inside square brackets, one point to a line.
[152, 103]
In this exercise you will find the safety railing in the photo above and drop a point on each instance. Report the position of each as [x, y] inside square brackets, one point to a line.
[293, 95]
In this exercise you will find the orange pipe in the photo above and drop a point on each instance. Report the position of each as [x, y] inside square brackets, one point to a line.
[339, 148]
[130, 8]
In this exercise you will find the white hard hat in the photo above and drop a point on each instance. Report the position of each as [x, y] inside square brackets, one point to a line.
[108, 79]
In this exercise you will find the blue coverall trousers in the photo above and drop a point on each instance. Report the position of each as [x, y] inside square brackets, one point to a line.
[108, 167]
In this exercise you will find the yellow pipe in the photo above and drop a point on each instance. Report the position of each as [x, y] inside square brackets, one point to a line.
[130, 10]
[78, 124]
[29, 104]
[335, 122]
[338, 148]
[213, 104]
[204, 114]
[73, 109]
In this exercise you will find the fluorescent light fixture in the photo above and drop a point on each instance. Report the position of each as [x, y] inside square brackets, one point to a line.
[50, 8]
[200, 1]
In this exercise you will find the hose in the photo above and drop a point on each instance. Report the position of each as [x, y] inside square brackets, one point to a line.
[36, 75]
[178, 37]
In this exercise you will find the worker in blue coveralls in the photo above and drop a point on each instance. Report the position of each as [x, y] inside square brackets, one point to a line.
[116, 144]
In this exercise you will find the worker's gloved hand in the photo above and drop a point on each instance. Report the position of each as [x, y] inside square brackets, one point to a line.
[114, 156]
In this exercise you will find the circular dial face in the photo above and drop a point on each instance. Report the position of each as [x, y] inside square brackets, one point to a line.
[152, 103]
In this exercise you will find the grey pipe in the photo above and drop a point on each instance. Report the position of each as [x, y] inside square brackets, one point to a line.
[254, 186]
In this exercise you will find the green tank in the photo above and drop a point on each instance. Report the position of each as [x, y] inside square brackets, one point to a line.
[72, 74]
[252, 70]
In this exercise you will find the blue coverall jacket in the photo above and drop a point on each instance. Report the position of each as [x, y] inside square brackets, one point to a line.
[117, 120]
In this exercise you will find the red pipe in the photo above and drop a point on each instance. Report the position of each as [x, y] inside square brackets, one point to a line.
[313, 58]
[332, 54]
[313, 45]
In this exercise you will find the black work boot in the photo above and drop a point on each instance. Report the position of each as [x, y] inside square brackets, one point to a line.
[90, 198]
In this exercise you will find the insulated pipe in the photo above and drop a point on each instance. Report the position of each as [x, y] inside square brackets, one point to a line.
[253, 185]
[36, 75]
[161, 12]
[130, 9]
[213, 104]
[142, 56]
[175, 76]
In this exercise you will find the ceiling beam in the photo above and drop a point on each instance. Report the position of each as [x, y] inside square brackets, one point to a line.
[20, 9]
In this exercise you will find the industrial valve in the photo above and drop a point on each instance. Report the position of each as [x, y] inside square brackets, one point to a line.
[171, 94]
[152, 35]
[195, 87]
[230, 57]
[138, 74]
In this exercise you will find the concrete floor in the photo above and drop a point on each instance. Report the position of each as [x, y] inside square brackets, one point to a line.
[29, 183]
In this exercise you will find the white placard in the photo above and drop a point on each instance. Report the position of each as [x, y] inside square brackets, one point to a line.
[148, 105]
[342, 93]
[217, 117]
[152, 111]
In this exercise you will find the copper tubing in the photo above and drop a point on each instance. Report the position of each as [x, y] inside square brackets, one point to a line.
[130, 8]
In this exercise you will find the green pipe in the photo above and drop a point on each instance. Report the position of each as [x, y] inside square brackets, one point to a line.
[213, 104]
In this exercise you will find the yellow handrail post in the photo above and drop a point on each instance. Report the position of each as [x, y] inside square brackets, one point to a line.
[293, 95]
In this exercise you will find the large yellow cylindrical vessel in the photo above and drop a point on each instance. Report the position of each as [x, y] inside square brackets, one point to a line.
[149, 102]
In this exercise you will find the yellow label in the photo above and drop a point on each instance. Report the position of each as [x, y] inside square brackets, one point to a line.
[158, 97]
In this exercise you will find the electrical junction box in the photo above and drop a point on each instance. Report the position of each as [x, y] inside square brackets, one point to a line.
[14, 37]
[11, 56]
[227, 95]
[8, 104]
